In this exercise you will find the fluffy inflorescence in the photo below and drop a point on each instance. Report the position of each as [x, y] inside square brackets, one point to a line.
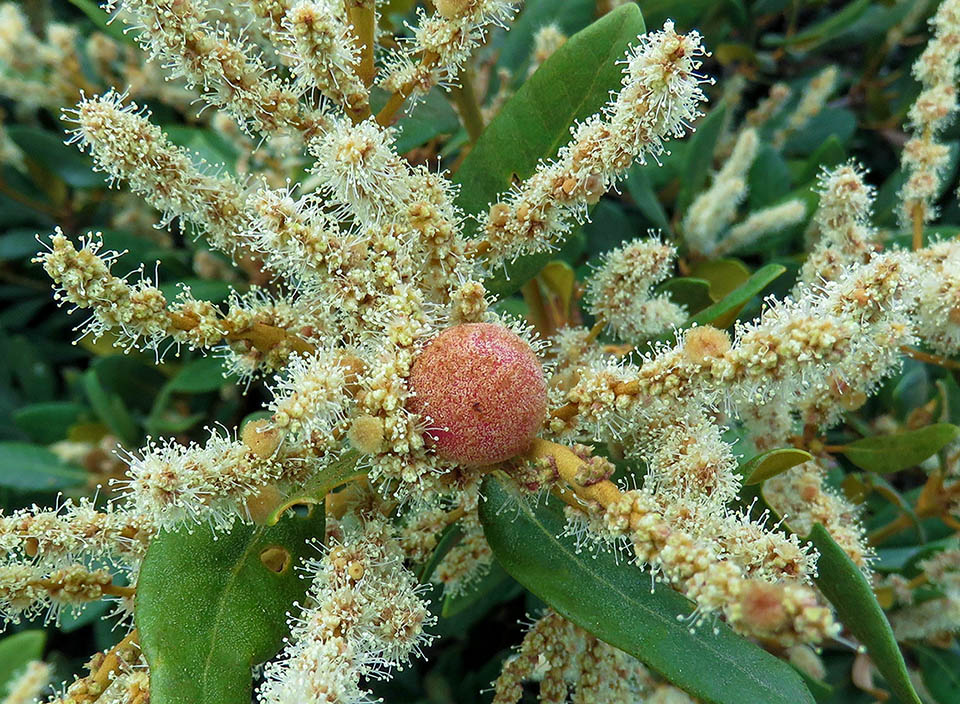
[126, 145]
[562, 657]
[379, 345]
[620, 290]
[364, 616]
[843, 223]
[924, 157]
[660, 98]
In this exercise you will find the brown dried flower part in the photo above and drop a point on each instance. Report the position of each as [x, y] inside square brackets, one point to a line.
[703, 344]
[366, 434]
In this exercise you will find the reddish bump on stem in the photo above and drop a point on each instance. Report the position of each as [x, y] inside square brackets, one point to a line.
[484, 391]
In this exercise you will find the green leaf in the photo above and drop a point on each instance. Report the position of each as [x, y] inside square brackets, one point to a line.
[685, 291]
[15, 652]
[19, 243]
[645, 197]
[700, 156]
[450, 536]
[336, 474]
[199, 376]
[723, 275]
[768, 179]
[110, 409]
[839, 123]
[722, 313]
[827, 156]
[941, 673]
[613, 600]
[433, 117]
[891, 453]
[771, 463]
[48, 150]
[33, 468]
[570, 16]
[609, 227]
[205, 289]
[495, 581]
[571, 85]
[46, 423]
[208, 609]
[844, 585]
[816, 34]
[91, 612]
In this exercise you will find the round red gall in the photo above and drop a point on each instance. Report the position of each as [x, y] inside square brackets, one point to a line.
[483, 389]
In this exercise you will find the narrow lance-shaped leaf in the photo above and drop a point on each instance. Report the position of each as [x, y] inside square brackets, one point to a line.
[722, 313]
[891, 453]
[572, 84]
[612, 599]
[771, 463]
[28, 467]
[823, 31]
[941, 673]
[210, 606]
[848, 590]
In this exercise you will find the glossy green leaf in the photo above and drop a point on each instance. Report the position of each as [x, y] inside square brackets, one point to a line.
[110, 409]
[941, 673]
[48, 150]
[771, 463]
[28, 467]
[612, 599]
[208, 609]
[722, 313]
[15, 652]
[891, 453]
[199, 376]
[571, 85]
[703, 142]
[313, 491]
[692, 293]
[645, 197]
[844, 585]
[48, 422]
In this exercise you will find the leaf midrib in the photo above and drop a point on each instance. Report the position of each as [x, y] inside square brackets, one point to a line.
[574, 558]
[221, 606]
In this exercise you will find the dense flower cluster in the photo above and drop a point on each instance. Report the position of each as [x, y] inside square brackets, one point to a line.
[368, 315]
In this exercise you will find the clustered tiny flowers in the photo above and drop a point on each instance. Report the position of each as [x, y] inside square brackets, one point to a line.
[368, 269]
